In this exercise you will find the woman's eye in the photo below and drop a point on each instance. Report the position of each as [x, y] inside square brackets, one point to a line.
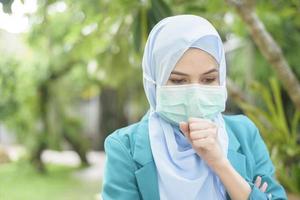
[208, 80]
[178, 81]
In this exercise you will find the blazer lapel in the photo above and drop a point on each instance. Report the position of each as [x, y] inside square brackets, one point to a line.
[146, 175]
[146, 178]
[237, 159]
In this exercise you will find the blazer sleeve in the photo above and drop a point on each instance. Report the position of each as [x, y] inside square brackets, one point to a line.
[264, 168]
[119, 179]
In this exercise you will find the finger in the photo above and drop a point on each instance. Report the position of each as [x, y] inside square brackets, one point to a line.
[204, 143]
[184, 127]
[197, 119]
[264, 187]
[199, 134]
[258, 181]
[200, 125]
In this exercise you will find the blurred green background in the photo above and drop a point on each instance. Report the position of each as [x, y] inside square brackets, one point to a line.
[70, 74]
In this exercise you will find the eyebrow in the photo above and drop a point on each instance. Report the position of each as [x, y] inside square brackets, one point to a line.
[184, 74]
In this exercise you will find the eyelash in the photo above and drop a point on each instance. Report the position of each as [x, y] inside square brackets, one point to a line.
[209, 80]
[181, 81]
[178, 81]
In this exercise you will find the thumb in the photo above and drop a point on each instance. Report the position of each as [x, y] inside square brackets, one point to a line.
[184, 127]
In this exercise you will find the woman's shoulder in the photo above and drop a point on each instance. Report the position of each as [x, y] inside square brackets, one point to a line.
[242, 127]
[238, 119]
[126, 136]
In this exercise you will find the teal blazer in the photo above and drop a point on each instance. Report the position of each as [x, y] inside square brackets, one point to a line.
[130, 172]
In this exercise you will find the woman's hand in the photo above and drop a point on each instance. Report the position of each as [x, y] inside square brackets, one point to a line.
[258, 184]
[203, 136]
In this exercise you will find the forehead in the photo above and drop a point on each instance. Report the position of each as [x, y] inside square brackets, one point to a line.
[196, 61]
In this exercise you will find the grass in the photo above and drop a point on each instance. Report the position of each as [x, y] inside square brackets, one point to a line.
[19, 181]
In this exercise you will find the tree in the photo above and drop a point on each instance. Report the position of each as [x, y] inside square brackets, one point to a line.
[269, 48]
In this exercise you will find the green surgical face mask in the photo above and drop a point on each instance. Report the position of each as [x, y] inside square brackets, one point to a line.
[177, 103]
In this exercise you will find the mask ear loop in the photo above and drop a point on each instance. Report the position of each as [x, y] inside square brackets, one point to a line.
[148, 78]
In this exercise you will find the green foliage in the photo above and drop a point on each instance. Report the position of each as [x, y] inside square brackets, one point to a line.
[282, 19]
[18, 97]
[8, 102]
[146, 17]
[280, 132]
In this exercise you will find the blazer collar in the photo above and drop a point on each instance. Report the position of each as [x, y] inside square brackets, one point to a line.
[233, 144]
[146, 175]
[234, 155]
[142, 149]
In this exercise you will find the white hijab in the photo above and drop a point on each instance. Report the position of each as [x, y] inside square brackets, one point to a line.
[182, 174]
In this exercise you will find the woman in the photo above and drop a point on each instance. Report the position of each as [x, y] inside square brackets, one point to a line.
[184, 148]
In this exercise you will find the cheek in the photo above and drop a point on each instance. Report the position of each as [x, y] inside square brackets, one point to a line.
[215, 83]
[168, 82]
